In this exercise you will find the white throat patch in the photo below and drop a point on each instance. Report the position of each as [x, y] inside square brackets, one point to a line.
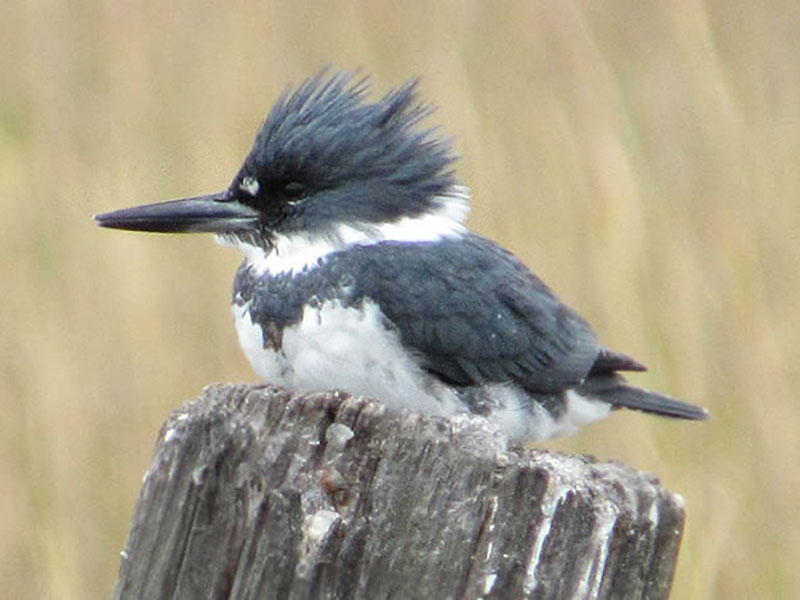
[298, 252]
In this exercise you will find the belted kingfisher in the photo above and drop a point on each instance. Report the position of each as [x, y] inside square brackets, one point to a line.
[360, 275]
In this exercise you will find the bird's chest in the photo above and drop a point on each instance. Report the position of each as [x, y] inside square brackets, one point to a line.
[311, 331]
[333, 346]
[278, 303]
[320, 332]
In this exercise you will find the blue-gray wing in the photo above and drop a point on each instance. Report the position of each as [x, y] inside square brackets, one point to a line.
[475, 314]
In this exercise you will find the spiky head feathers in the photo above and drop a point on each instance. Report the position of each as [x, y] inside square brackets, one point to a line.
[325, 153]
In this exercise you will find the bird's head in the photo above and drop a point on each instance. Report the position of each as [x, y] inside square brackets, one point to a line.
[328, 165]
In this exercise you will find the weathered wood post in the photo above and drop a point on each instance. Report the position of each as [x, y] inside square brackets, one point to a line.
[255, 493]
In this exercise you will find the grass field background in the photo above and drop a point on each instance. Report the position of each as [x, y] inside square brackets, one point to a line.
[643, 157]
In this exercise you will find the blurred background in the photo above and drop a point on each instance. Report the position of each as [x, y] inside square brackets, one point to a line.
[641, 156]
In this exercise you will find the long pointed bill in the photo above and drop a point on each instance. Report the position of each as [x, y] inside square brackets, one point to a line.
[215, 213]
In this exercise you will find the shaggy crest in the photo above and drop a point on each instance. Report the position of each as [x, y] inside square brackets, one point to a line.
[325, 137]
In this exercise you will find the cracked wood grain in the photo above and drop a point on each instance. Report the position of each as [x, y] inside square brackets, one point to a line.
[256, 493]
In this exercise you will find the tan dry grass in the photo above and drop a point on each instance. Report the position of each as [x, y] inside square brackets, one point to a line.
[642, 156]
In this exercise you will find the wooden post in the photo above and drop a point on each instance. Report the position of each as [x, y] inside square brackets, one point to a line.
[255, 493]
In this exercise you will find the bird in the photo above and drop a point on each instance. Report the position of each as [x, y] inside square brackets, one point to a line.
[360, 274]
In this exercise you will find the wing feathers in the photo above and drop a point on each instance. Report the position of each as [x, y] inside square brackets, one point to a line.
[475, 314]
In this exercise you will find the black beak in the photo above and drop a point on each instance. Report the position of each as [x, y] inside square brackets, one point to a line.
[216, 213]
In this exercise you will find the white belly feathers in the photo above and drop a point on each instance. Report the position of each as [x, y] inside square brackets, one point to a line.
[347, 349]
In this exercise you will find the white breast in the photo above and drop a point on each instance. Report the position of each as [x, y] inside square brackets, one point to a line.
[349, 349]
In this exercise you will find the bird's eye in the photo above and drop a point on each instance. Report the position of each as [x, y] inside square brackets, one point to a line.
[294, 191]
[250, 186]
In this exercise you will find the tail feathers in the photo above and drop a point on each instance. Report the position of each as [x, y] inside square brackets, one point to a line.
[614, 390]
[626, 396]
